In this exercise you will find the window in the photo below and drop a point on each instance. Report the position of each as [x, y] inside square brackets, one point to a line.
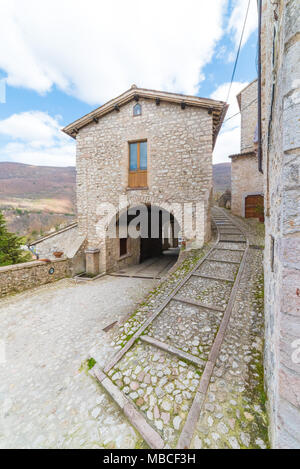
[123, 246]
[137, 109]
[137, 164]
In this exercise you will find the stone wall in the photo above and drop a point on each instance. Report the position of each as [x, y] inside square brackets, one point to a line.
[281, 165]
[114, 261]
[245, 180]
[19, 277]
[179, 145]
[248, 106]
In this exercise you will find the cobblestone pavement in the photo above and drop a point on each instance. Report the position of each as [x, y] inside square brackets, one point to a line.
[162, 386]
[50, 401]
[47, 398]
[234, 414]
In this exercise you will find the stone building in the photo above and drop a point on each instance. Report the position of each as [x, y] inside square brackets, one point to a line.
[142, 149]
[246, 181]
[280, 60]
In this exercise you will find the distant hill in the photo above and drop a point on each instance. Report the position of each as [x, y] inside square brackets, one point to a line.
[37, 182]
[221, 177]
[36, 199]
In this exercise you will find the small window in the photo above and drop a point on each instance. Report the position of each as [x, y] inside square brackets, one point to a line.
[137, 109]
[123, 246]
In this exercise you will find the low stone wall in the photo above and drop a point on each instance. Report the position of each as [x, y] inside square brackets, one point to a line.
[19, 277]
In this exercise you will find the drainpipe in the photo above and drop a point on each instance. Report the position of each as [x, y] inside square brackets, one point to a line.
[259, 148]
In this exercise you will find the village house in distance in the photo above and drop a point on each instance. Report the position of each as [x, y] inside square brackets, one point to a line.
[153, 147]
[247, 184]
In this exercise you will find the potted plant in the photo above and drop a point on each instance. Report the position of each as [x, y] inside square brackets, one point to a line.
[57, 254]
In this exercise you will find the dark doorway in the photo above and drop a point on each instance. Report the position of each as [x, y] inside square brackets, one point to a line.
[157, 230]
[152, 245]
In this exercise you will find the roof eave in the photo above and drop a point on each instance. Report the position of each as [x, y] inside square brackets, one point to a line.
[129, 95]
[246, 153]
[222, 117]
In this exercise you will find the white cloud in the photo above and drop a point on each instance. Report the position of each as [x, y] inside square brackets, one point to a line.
[36, 138]
[228, 141]
[237, 18]
[96, 50]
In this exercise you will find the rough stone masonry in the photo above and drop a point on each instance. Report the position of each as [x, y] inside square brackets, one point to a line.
[281, 164]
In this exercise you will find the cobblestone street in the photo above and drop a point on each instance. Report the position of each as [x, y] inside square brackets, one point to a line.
[50, 400]
[163, 385]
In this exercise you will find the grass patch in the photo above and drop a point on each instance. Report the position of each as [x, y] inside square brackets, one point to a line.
[91, 362]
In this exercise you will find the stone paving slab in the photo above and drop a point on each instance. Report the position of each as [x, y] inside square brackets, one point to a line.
[151, 268]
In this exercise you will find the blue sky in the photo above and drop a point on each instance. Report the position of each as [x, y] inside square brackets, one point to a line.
[54, 72]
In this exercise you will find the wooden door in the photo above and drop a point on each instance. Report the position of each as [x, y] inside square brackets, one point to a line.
[254, 207]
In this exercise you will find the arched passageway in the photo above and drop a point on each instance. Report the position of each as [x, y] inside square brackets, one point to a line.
[146, 241]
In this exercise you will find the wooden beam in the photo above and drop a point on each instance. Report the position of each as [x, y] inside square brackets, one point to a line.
[209, 277]
[197, 303]
[173, 350]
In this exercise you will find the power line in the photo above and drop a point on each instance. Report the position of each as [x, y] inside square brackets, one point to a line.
[237, 113]
[238, 51]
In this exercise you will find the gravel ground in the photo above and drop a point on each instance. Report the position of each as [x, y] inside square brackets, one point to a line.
[47, 398]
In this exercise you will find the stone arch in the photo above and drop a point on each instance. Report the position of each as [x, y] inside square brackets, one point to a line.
[149, 229]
